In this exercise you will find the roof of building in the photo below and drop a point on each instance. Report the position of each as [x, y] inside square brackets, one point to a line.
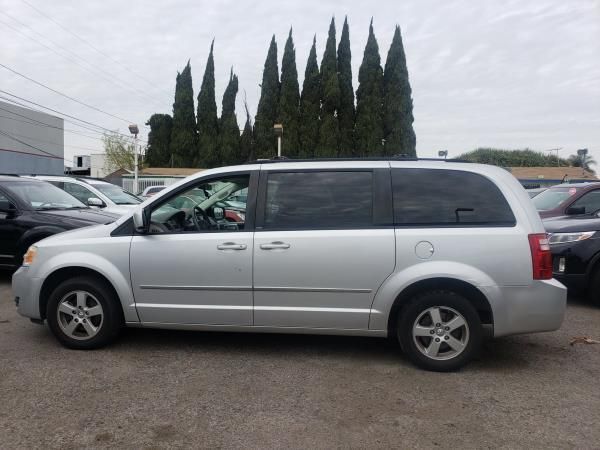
[551, 173]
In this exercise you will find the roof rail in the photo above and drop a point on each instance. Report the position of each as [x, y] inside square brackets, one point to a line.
[279, 159]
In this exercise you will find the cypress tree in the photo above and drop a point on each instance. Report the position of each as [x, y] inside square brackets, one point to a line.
[247, 139]
[289, 100]
[310, 105]
[329, 129]
[397, 104]
[266, 113]
[369, 101]
[184, 138]
[207, 155]
[229, 132]
[346, 111]
[159, 139]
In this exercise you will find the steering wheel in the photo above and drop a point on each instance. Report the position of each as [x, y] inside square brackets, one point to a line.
[203, 221]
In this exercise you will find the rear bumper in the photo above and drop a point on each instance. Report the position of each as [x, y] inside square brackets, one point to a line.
[529, 309]
[25, 291]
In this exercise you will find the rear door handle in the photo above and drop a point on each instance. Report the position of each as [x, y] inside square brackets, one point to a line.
[275, 245]
[231, 246]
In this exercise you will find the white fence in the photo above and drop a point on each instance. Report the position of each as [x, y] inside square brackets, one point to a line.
[144, 182]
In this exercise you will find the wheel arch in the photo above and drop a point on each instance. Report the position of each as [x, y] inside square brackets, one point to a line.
[461, 287]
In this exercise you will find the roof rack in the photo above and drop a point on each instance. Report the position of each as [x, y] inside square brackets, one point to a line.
[279, 159]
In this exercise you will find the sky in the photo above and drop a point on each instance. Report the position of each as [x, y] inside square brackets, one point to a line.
[488, 73]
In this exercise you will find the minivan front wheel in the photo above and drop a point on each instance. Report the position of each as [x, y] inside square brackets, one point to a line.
[83, 314]
[439, 331]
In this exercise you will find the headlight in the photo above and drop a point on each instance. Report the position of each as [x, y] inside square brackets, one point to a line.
[562, 238]
[30, 255]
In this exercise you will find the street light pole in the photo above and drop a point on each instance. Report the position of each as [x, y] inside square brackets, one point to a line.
[278, 128]
[133, 129]
[582, 152]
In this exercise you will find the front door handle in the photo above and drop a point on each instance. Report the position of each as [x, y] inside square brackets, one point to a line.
[275, 245]
[231, 246]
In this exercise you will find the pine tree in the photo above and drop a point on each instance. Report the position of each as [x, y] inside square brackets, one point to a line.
[397, 104]
[207, 155]
[266, 113]
[159, 139]
[247, 139]
[329, 129]
[229, 132]
[346, 110]
[184, 137]
[369, 101]
[310, 105]
[289, 100]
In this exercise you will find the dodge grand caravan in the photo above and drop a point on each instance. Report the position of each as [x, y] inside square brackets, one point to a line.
[435, 254]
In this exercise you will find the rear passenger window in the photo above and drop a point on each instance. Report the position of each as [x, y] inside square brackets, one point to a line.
[447, 198]
[305, 200]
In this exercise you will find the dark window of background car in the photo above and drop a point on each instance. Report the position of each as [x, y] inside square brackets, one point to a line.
[310, 200]
[447, 198]
[590, 201]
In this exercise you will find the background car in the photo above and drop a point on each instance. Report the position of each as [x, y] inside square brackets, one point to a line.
[534, 192]
[150, 191]
[96, 193]
[568, 199]
[575, 245]
[31, 210]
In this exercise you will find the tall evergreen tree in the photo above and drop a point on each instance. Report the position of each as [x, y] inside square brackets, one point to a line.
[266, 113]
[397, 104]
[369, 101]
[289, 100]
[247, 139]
[184, 137]
[159, 139]
[229, 132]
[207, 155]
[329, 129]
[310, 105]
[346, 110]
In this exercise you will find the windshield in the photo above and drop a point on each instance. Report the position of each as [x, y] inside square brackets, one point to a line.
[40, 195]
[553, 198]
[116, 194]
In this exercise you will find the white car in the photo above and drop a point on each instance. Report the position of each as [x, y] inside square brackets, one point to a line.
[96, 193]
[150, 191]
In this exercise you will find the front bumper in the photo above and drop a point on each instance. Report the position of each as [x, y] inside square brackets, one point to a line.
[26, 289]
[535, 308]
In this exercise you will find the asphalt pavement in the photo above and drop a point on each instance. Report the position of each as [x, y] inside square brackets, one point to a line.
[175, 389]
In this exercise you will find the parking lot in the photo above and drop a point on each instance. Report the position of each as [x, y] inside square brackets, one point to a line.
[166, 389]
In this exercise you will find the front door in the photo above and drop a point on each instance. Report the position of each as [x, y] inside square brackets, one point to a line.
[195, 265]
[323, 245]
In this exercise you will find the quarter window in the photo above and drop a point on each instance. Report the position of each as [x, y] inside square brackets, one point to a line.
[310, 200]
[433, 197]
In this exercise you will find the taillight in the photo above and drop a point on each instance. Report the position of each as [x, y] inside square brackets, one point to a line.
[541, 257]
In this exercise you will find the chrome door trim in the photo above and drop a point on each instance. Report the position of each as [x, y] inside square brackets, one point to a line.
[172, 306]
[311, 289]
[313, 309]
[195, 288]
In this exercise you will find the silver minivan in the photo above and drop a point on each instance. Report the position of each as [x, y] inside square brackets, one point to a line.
[435, 254]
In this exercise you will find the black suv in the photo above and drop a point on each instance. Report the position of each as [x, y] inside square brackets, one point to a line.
[31, 210]
[575, 245]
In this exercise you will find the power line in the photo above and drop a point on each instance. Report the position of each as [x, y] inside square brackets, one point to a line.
[69, 116]
[65, 95]
[10, 136]
[72, 33]
[77, 147]
[120, 84]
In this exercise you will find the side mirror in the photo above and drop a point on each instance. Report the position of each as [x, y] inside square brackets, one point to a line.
[139, 221]
[7, 208]
[218, 213]
[94, 201]
[575, 210]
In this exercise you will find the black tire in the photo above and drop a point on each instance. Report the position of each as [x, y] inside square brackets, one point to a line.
[111, 321]
[593, 290]
[471, 333]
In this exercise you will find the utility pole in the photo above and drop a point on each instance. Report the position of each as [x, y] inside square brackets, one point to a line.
[557, 158]
[133, 129]
[278, 129]
[582, 153]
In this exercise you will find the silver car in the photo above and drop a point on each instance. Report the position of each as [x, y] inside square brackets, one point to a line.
[435, 254]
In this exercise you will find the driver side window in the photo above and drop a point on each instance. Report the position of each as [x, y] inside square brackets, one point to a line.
[214, 205]
[590, 201]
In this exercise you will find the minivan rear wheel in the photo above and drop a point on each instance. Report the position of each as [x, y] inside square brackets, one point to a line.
[439, 330]
[82, 313]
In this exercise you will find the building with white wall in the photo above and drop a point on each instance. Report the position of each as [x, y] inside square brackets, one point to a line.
[31, 142]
